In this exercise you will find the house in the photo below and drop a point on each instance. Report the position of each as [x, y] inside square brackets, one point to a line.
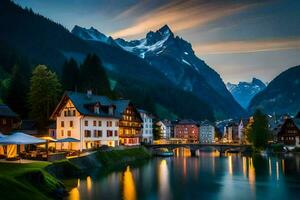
[96, 120]
[164, 129]
[289, 133]
[207, 132]
[231, 132]
[9, 120]
[29, 127]
[187, 129]
[147, 130]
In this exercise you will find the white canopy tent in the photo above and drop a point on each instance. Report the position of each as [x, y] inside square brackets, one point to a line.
[18, 138]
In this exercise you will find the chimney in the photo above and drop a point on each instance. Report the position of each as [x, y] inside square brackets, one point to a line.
[89, 93]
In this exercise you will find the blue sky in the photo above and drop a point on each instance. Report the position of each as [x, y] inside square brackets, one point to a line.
[239, 39]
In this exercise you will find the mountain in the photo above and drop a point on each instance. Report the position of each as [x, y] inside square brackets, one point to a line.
[243, 92]
[281, 96]
[42, 41]
[176, 60]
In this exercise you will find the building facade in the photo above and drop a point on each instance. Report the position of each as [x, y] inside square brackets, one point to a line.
[231, 132]
[164, 129]
[207, 132]
[289, 133]
[147, 130]
[187, 130]
[84, 118]
[9, 120]
[130, 125]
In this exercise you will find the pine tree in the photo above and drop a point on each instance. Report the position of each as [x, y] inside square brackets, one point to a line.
[93, 76]
[44, 93]
[16, 96]
[258, 133]
[70, 75]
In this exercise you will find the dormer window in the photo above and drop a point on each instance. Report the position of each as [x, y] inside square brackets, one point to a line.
[111, 110]
[97, 108]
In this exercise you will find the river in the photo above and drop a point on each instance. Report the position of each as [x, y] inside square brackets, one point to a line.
[206, 176]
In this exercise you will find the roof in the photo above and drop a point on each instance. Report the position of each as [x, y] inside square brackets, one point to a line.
[21, 138]
[187, 122]
[28, 124]
[206, 123]
[5, 111]
[141, 111]
[81, 100]
[297, 122]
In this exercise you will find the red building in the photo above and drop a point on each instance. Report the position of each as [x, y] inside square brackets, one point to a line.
[187, 129]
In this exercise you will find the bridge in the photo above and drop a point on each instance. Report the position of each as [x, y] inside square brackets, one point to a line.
[222, 148]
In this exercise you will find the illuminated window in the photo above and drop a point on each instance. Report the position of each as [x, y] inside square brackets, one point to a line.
[69, 133]
[62, 133]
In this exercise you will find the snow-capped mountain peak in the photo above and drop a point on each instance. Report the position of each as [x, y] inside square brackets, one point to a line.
[243, 92]
[90, 34]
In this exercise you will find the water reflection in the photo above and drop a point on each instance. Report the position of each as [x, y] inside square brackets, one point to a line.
[204, 176]
[163, 175]
[129, 192]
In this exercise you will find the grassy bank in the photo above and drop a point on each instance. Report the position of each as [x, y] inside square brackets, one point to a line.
[41, 180]
[28, 181]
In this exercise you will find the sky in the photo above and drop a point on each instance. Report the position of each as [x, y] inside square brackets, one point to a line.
[240, 39]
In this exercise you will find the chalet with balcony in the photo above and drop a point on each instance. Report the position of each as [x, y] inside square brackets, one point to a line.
[289, 133]
[9, 120]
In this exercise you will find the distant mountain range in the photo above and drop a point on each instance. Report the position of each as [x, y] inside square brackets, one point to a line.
[281, 96]
[175, 59]
[159, 73]
[243, 92]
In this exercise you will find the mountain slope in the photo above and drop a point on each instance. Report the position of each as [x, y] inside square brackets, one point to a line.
[281, 96]
[243, 92]
[175, 59]
[45, 42]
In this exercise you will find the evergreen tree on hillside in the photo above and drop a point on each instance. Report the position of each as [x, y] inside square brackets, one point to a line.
[93, 76]
[16, 96]
[44, 94]
[70, 75]
[258, 133]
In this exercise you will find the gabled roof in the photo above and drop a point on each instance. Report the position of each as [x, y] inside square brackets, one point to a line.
[206, 123]
[5, 111]
[81, 100]
[187, 122]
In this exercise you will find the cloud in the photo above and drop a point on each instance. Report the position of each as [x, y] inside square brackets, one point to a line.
[232, 47]
[179, 15]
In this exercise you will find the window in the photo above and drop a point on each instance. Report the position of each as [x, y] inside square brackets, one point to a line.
[109, 133]
[71, 124]
[116, 123]
[87, 133]
[65, 113]
[69, 133]
[95, 133]
[74, 112]
[3, 121]
[116, 133]
[99, 133]
[86, 123]
[62, 133]
[94, 123]
[109, 123]
[62, 124]
[99, 123]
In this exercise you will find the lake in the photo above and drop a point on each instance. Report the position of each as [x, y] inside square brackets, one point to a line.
[206, 176]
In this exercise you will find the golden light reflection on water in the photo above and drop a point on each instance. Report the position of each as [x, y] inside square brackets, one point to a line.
[74, 194]
[88, 183]
[283, 166]
[129, 191]
[251, 174]
[245, 166]
[163, 175]
[182, 152]
[230, 165]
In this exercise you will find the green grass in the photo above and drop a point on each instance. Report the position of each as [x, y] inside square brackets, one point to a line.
[27, 181]
[116, 157]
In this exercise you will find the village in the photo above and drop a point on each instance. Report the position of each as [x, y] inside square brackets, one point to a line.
[84, 122]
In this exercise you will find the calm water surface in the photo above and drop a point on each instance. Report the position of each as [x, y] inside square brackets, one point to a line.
[207, 176]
